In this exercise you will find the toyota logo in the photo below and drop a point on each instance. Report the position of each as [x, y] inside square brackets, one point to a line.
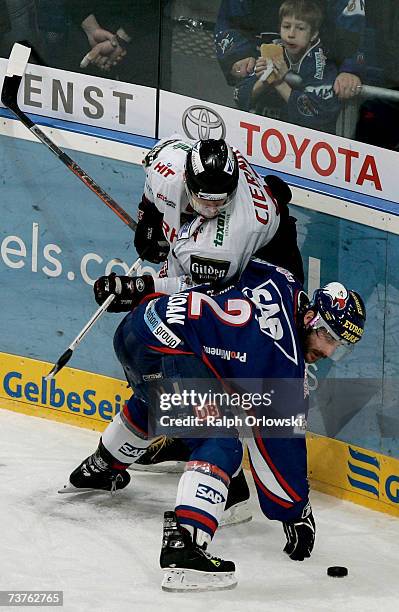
[199, 121]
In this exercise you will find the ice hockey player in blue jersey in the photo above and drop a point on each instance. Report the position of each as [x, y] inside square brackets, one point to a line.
[261, 328]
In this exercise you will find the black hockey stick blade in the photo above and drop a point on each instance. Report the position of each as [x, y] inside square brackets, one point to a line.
[63, 360]
[10, 91]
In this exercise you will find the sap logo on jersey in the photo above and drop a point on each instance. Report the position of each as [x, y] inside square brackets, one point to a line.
[209, 494]
[273, 318]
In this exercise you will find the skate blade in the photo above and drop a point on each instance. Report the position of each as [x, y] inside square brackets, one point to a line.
[69, 488]
[166, 467]
[236, 515]
[183, 581]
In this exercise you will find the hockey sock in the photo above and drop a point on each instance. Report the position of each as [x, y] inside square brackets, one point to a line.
[201, 498]
[124, 439]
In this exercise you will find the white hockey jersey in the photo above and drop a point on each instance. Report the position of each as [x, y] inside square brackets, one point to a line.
[206, 250]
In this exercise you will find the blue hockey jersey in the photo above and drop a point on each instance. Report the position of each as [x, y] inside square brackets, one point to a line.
[245, 331]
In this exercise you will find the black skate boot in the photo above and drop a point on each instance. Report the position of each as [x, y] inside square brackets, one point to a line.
[237, 509]
[171, 452]
[96, 474]
[187, 566]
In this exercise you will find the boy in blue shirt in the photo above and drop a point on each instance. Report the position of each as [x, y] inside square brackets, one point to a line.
[313, 104]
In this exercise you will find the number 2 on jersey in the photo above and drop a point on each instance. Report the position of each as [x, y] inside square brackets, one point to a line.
[237, 311]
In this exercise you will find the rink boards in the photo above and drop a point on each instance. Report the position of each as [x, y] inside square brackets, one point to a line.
[57, 238]
[91, 401]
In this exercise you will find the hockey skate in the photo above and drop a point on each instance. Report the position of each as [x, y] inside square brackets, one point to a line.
[237, 508]
[163, 455]
[96, 474]
[187, 566]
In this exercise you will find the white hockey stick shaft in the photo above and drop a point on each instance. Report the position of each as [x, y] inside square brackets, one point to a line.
[66, 355]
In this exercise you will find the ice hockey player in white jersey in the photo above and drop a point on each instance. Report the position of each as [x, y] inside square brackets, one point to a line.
[206, 212]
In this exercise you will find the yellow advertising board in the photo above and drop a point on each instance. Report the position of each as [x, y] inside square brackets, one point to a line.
[73, 396]
[353, 473]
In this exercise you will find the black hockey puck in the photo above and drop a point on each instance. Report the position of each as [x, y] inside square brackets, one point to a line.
[337, 571]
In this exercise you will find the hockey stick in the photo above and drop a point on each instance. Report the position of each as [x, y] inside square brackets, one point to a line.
[66, 355]
[15, 69]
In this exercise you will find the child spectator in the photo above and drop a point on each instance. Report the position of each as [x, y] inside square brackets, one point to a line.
[239, 26]
[313, 102]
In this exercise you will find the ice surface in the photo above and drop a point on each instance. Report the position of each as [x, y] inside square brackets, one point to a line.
[102, 550]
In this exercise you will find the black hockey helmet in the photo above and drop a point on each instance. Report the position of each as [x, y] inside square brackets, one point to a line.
[212, 170]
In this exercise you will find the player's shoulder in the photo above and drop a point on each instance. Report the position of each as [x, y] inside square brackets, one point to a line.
[261, 274]
[167, 158]
[252, 192]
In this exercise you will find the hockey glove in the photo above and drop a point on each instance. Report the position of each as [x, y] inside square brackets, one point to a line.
[280, 191]
[282, 250]
[300, 535]
[128, 291]
[149, 238]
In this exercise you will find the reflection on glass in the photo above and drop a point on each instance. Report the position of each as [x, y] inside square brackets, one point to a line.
[338, 71]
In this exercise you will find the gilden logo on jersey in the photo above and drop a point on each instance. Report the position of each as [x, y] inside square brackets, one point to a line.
[204, 270]
[209, 494]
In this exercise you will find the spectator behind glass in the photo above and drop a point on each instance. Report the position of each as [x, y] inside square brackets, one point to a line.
[122, 38]
[237, 34]
[367, 34]
[383, 19]
[345, 44]
[378, 122]
[18, 22]
[241, 23]
[55, 28]
[314, 104]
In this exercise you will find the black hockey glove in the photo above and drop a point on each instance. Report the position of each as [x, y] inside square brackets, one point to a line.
[149, 238]
[128, 291]
[280, 190]
[300, 535]
[282, 250]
